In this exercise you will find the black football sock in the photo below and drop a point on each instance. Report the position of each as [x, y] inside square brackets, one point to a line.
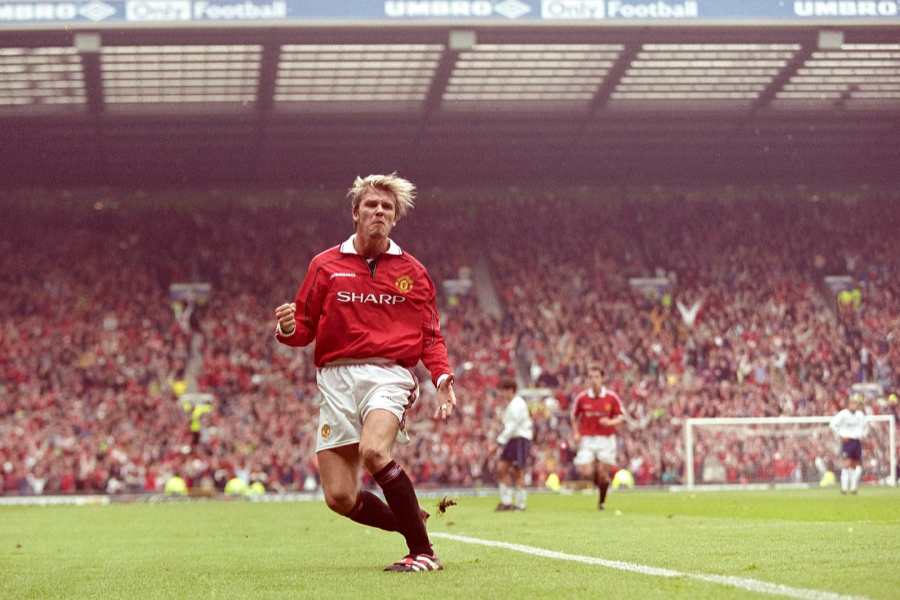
[401, 498]
[604, 486]
[371, 511]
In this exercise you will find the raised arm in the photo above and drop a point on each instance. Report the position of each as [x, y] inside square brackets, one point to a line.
[296, 322]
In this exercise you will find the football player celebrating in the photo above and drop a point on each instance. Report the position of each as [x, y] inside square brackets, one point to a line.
[370, 307]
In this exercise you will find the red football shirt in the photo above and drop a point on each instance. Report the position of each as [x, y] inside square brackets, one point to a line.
[589, 408]
[355, 312]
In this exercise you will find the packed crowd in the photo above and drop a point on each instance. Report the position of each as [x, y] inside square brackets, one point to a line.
[731, 319]
[87, 344]
[744, 326]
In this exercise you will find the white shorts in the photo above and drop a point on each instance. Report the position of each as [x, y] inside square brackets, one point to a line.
[601, 448]
[351, 391]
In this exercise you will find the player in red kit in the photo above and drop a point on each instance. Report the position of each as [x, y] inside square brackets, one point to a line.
[371, 309]
[597, 413]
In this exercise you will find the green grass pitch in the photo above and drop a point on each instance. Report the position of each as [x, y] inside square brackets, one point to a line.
[814, 540]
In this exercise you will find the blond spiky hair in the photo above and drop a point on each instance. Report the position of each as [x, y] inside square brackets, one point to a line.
[403, 191]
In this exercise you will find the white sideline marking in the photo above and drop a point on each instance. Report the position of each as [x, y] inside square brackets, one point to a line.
[751, 585]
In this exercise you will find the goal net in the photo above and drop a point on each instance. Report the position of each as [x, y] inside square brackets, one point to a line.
[784, 451]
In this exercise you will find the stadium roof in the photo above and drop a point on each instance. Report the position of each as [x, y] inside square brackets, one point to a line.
[262, 104]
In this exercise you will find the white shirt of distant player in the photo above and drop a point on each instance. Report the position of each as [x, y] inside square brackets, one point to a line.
[850, 425]
[516, 421]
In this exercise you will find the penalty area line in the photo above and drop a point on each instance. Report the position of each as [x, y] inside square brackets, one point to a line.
[743, 583]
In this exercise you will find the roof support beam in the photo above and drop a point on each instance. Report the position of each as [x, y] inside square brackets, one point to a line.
[769, 93]
[457, 42]
[265, 98]
[439, 83]
[846, 95]
[268, 73]
[88, 46]
[612, 79]
[605, 91]
[778, 82]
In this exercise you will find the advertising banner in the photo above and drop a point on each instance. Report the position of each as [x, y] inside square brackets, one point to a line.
[732, 12]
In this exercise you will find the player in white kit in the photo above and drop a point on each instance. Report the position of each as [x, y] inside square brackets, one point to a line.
[850, 425]
[516, 437]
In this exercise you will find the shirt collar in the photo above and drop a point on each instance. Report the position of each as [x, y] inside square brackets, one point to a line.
[348, 248]
[598, 393]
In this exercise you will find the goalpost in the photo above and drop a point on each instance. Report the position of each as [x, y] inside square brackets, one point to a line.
[790, 450]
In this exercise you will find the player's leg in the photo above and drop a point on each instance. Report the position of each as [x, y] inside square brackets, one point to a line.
[339, 471]
[521, 496]
[855, 465]
[606, 459]
[522, 447]
[584, 462]
[375, 447]
[504, 483]
[337, 450]
[383, 394]
[586, 471]
[603, 481]
[845, 476]
[855, 476]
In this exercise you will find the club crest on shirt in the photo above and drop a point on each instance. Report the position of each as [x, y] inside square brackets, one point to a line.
[404, 283]
[326, 431]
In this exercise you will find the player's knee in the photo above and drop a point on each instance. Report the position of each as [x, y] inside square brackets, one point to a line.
[340, 502]
[374, 458]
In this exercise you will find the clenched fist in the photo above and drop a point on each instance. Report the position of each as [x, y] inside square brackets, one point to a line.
[284, 314]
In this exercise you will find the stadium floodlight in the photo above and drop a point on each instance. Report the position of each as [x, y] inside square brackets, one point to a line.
[830, 39]
[743, 444]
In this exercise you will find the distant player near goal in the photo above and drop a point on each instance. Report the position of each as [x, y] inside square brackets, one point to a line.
[518, 431]
[851, 426]
[597, 413]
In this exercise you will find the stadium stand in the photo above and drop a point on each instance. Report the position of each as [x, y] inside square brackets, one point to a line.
[93, 357]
